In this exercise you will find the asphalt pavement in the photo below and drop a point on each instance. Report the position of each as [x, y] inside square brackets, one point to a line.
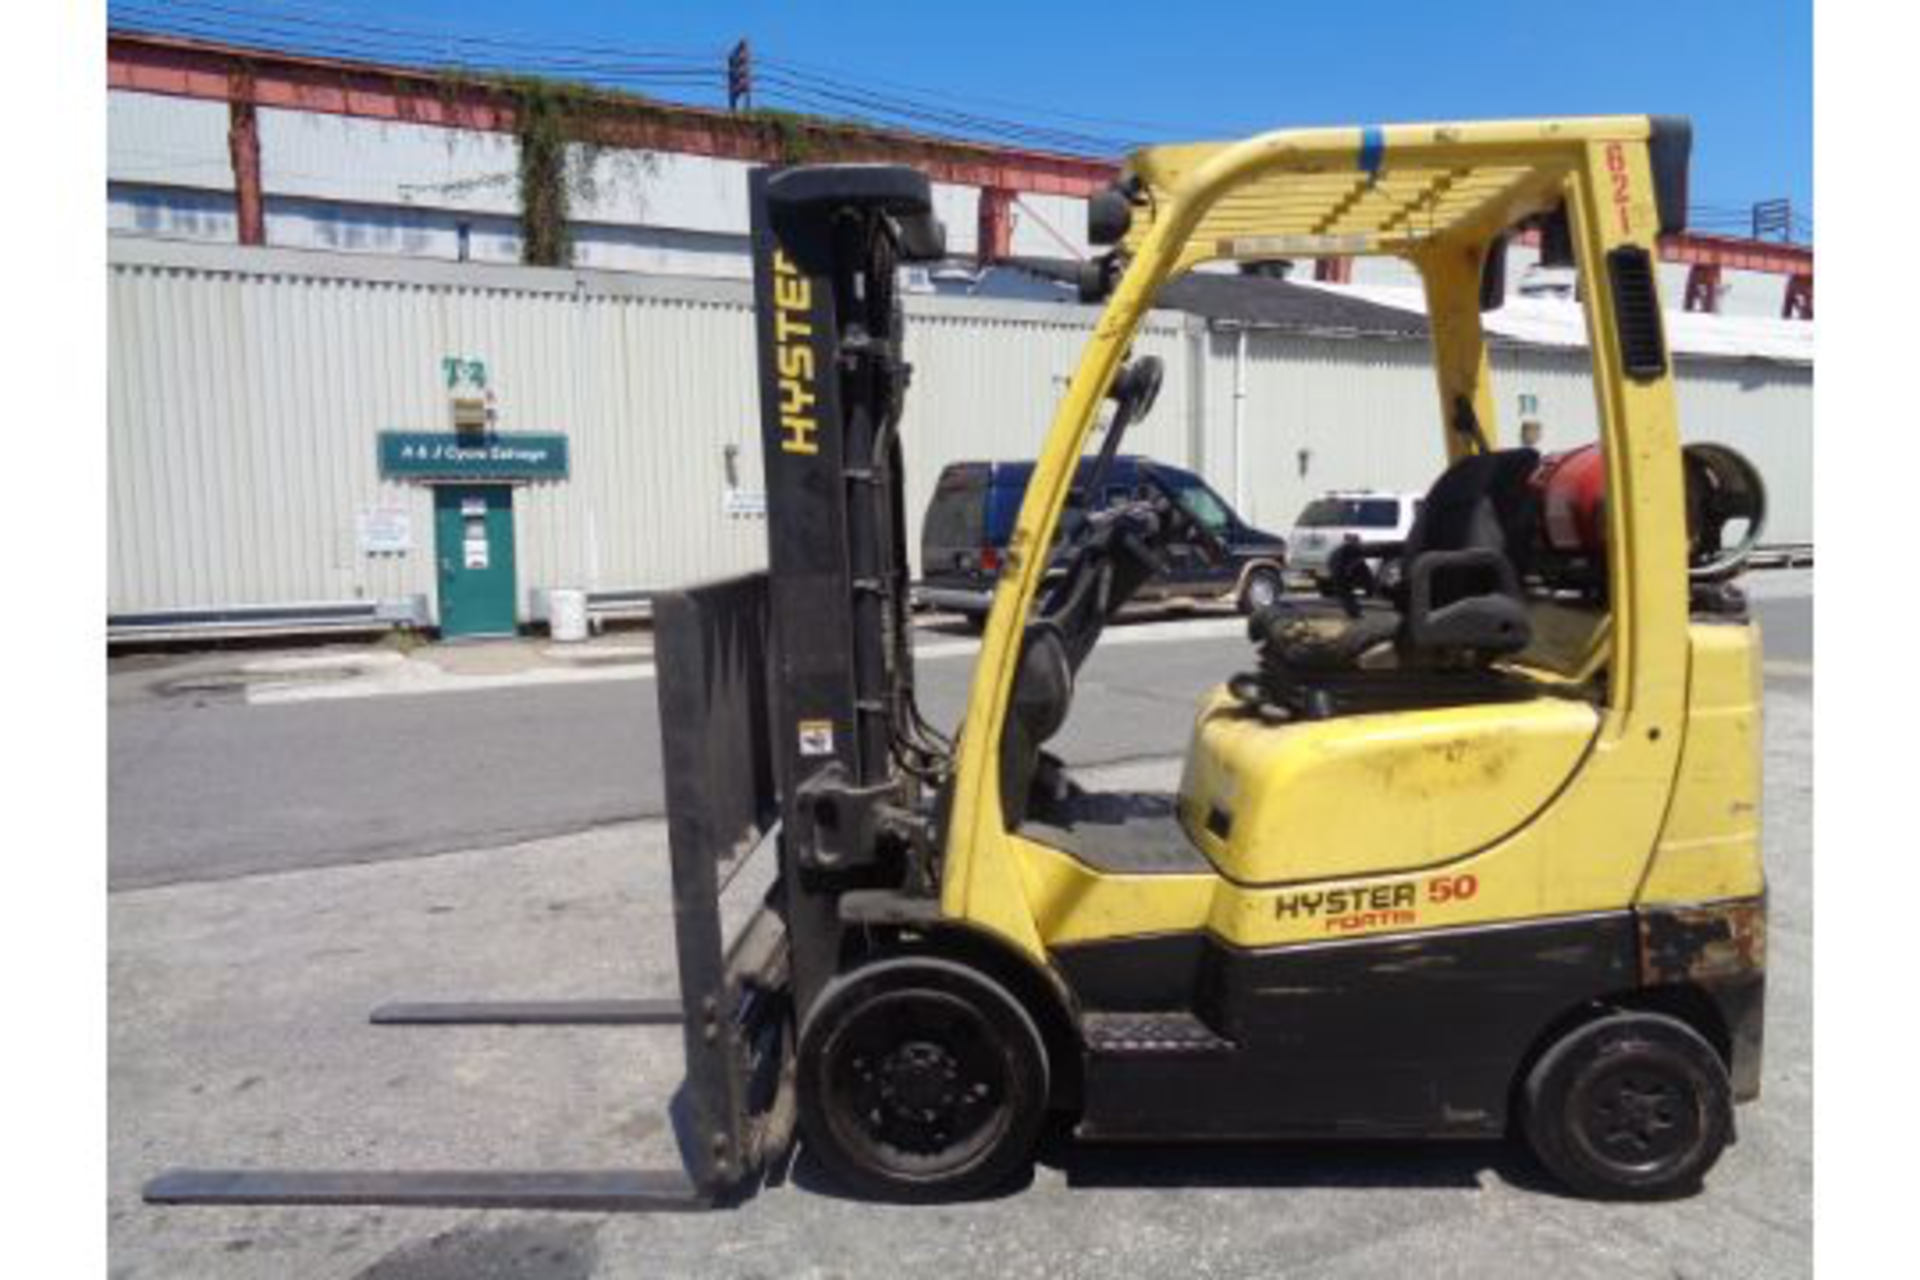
[279, 870]
[204, 784]
[238, 1037]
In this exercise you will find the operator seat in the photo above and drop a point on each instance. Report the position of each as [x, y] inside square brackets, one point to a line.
[1457, 607]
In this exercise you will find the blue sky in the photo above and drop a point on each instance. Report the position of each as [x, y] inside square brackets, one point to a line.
[1742, 71]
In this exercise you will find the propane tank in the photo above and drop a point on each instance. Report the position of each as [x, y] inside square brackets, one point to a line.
[1572, 491]
[1724, 489]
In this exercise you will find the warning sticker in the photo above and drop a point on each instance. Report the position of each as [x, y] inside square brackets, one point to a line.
[816, 737]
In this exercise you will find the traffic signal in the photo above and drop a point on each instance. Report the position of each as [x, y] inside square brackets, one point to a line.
[739, 77]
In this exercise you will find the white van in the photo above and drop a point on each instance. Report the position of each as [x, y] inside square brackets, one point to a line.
[1348, 515]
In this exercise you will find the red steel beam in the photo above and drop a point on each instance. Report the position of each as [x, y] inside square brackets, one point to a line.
[243, 146]
[995, 242]
[1798, 302]
[1333, 270]
[1703, 287]
[1731, 253]
[296, 82]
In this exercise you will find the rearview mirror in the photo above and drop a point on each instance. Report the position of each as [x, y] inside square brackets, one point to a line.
[1134, 390]
[1137, 387]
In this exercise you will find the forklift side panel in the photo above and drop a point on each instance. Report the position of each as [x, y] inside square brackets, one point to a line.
[1373, 794]
[1710, 846]
[1411, 1035]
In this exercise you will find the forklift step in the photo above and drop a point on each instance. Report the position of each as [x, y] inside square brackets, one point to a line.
[1150, 1034]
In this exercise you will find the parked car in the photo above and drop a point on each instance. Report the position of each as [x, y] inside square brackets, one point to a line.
[971, 516]
[1348, 515]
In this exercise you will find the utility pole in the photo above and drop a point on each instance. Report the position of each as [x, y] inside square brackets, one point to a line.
[740, 77]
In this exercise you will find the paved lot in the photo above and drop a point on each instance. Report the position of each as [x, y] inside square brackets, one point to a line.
[204, 784]
[238, 1036]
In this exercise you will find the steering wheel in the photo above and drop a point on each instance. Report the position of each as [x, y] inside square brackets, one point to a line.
[1137, 541]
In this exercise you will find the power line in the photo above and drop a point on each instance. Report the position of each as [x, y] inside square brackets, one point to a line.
[302, 16]
[446, 54]
[316, 30]
[328, 30]
[818, 72]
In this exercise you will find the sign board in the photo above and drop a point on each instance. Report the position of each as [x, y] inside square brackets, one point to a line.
[385, 531]
[743, 503]
[445, 455]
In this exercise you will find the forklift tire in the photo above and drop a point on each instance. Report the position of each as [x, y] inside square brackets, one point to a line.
[1632, 1106]
[921, 1080]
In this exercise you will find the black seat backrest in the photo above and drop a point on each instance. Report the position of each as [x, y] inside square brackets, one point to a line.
[1466, 555]
[1481, 502]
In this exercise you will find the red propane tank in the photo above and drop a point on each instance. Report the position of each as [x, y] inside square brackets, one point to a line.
[1572, 487]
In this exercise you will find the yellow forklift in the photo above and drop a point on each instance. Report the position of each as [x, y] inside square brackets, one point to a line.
[1471, 851]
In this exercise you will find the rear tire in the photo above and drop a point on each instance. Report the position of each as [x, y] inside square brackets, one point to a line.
[921, 1080]
[1633, 1106]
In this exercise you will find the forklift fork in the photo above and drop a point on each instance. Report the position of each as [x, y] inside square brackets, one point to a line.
[734, 1113]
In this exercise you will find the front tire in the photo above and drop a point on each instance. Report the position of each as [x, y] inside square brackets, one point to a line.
[1633, 1106]
[921, 1080]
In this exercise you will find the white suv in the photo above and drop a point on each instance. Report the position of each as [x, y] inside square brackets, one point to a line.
[1348, 515]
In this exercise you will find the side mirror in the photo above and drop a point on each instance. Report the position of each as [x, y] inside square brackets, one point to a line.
[1137, 387]
[1134, 390]
[1097, 276]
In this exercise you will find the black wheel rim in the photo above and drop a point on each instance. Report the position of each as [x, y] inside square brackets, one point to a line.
[917, 1084]
[1639, 1119]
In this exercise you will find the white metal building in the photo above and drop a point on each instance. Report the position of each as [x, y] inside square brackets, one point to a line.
[347, 185]
[331, 180]
[249, 388]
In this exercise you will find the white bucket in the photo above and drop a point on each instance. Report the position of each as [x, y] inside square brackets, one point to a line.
[567, 614]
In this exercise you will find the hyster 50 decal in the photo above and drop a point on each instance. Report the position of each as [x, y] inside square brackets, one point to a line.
[793, 345]
[1378, 906]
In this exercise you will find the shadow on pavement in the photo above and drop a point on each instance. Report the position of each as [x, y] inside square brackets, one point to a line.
[1457, 1165]
[1276, 1165]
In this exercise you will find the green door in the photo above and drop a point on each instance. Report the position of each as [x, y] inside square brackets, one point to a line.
[473, 539]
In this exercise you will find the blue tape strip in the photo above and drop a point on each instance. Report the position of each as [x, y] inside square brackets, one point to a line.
[1373, 149]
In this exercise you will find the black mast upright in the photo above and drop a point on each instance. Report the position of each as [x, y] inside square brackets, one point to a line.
[826, 243]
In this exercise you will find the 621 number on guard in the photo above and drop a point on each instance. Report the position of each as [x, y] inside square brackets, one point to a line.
[1621, 184]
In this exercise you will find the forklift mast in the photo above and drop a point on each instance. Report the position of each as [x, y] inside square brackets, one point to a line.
[847, 742]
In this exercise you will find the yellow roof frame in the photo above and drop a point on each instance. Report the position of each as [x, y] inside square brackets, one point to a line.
[1392, 190]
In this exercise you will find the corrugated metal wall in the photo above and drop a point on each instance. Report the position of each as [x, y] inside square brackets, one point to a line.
[246, 388]
[244, 407]
[1329, 413]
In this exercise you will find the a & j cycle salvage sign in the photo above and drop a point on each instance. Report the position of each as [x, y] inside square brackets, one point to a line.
[445, 455]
